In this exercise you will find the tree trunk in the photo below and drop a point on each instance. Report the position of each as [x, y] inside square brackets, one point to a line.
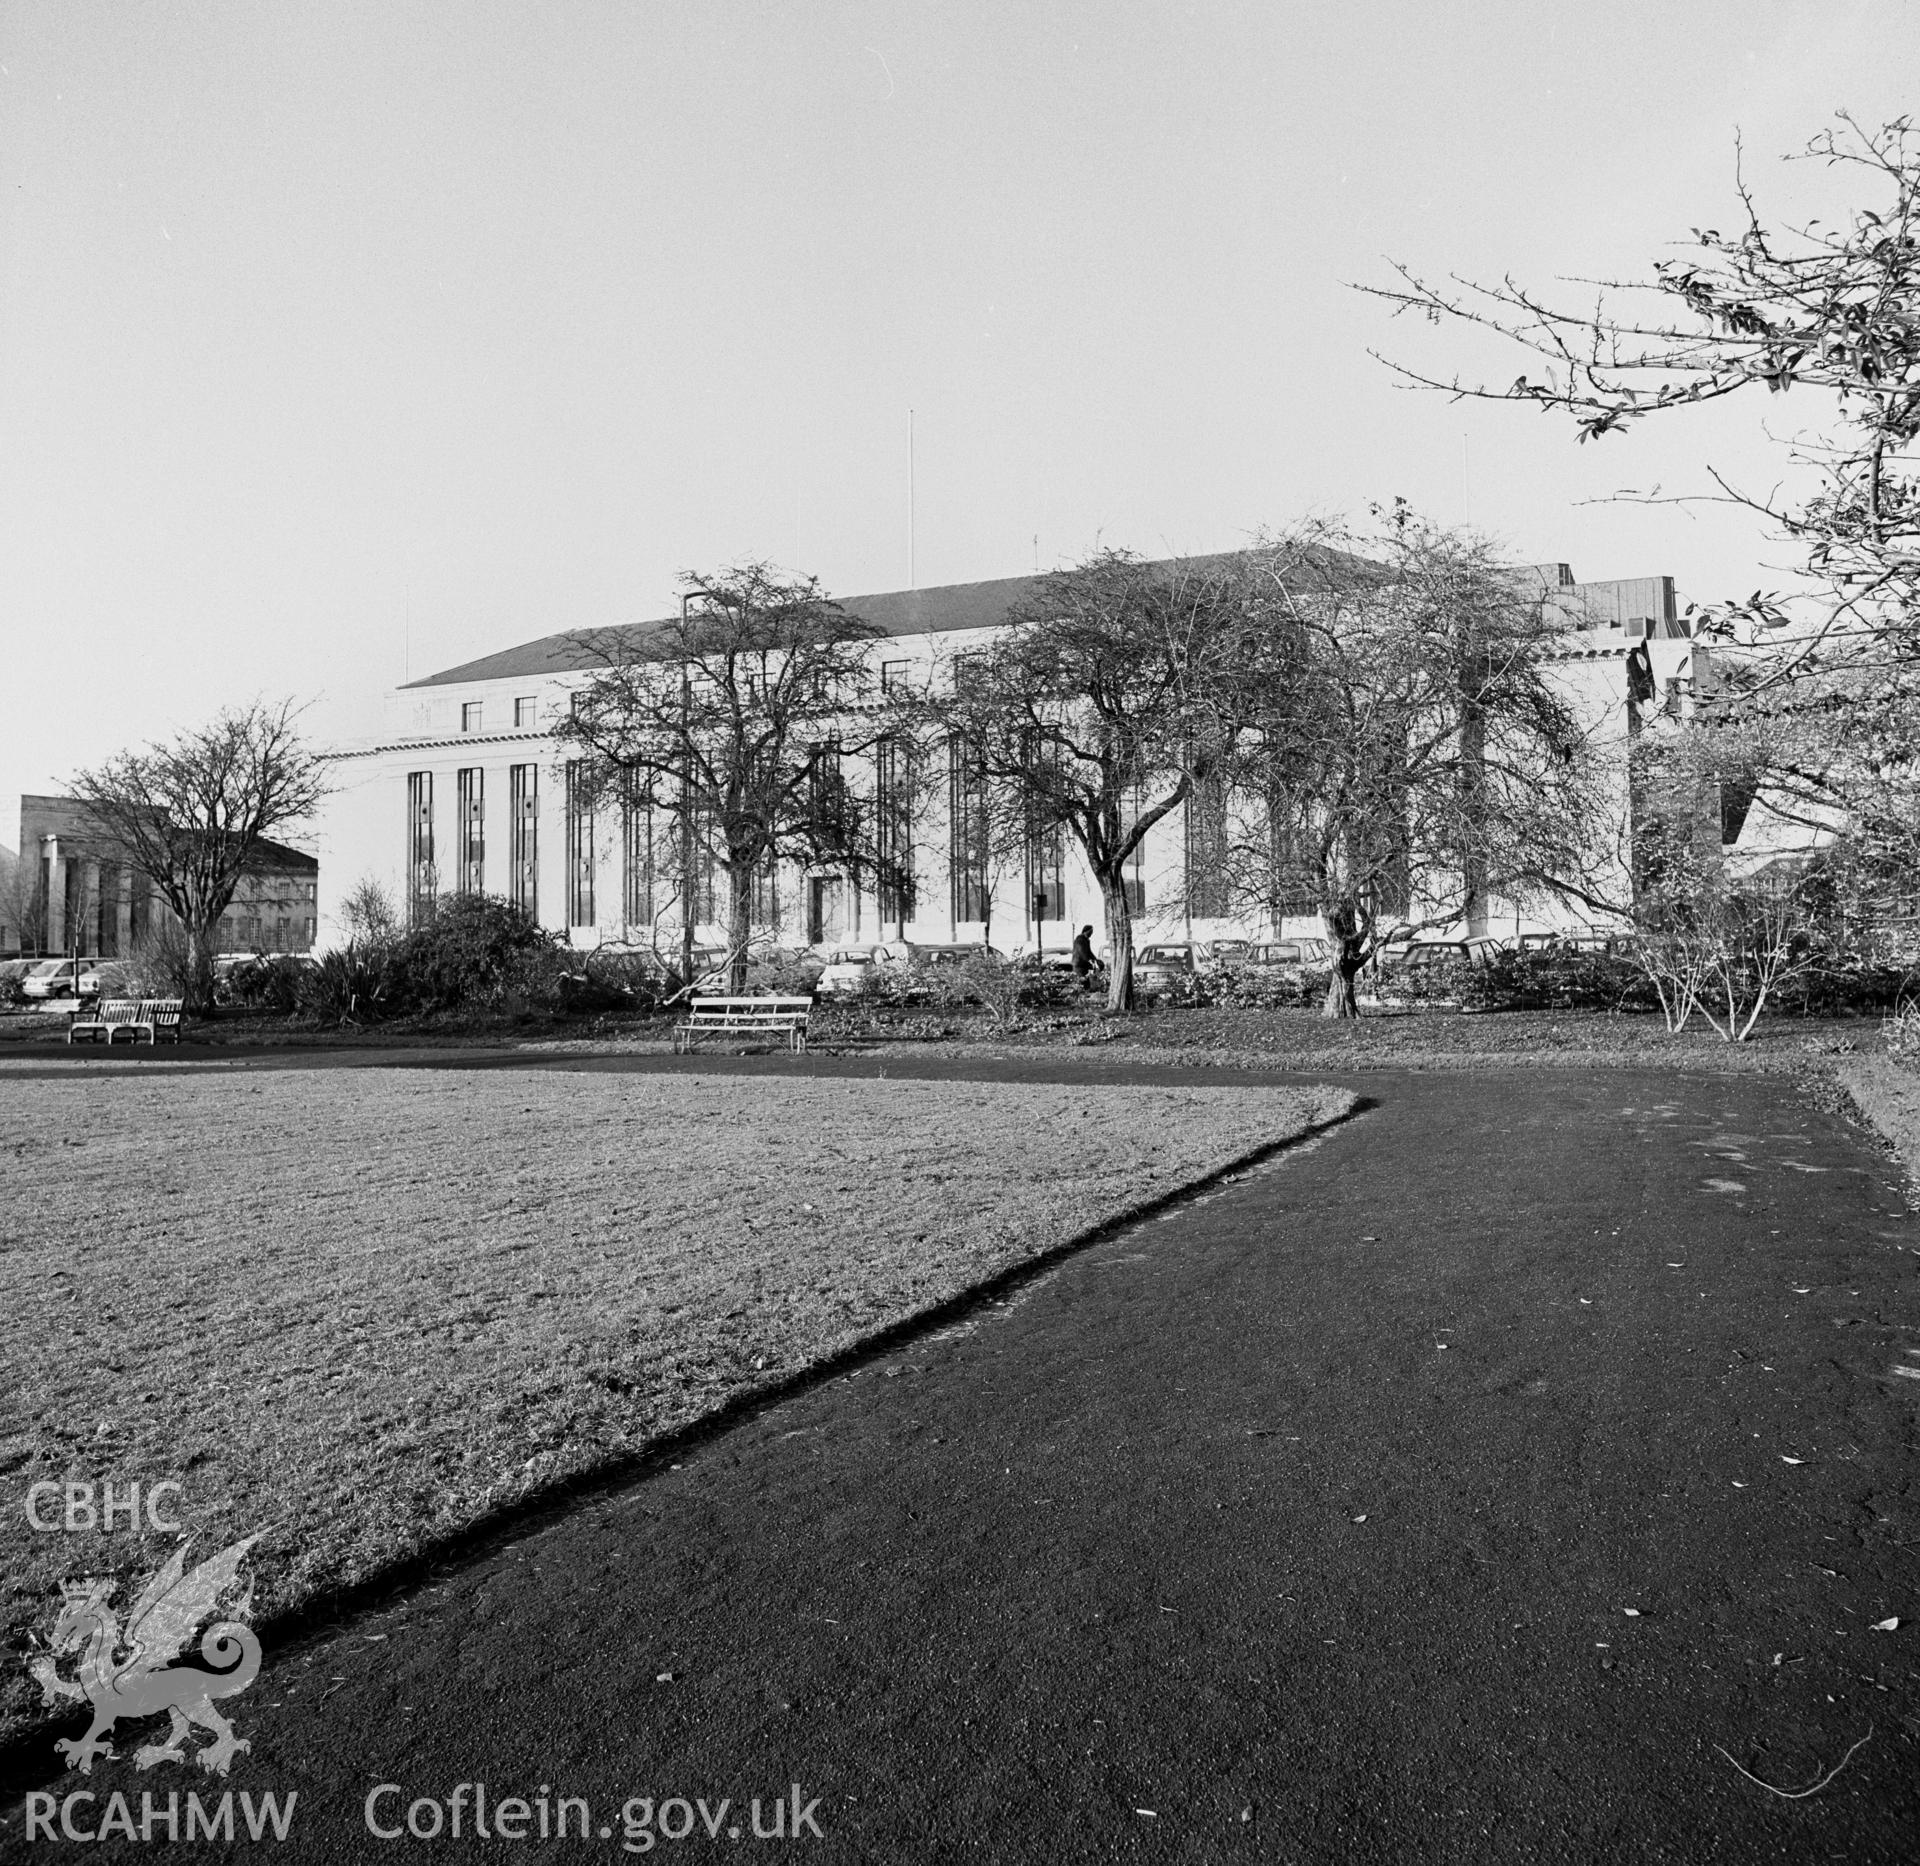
[1342, 999]
[1345, 925]
[1113, 893]
[199, 980]
[739, 923]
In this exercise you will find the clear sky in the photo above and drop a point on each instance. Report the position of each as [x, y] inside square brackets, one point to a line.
[343, 340]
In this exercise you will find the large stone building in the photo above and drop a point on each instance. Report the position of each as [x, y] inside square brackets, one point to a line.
[71, 891]
[466, 791]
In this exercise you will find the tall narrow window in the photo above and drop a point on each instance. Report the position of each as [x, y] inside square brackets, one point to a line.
[1133, 874]
[420, 874]
[1290, 876]
[705, 882]
[525, 714]
[764, 907]
[688, 833]
[1207, 848]
[470, 715]
[967, 832]
[1045, 852]
[893, 802]
[579, 847]
[827, 795]
[636, 840]
[473, 830]
[523, 837]
[1046, 879]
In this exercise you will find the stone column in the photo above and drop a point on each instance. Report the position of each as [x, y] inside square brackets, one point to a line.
[87, 906]
[53, 868]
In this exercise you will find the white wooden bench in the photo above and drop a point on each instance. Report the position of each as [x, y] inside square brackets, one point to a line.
[110, 1017]
[745, 1017]
[132, 1015]
[157, 1015]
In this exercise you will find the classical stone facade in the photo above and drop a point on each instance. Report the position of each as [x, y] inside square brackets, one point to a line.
[72, 892]
[467, 791]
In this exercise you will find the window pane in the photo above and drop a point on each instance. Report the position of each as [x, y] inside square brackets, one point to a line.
[523, 837]
[579, 848]
[420, 870]
[472, 831]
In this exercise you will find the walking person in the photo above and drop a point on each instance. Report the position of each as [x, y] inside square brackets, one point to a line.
[1083, 959]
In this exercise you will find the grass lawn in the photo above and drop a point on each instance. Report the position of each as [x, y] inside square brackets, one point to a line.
[1889, 1097]
[1431, 1037]
[358, 1310]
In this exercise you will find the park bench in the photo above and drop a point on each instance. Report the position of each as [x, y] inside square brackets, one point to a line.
[132, 1015]
[109, 1018]
[745, 1017]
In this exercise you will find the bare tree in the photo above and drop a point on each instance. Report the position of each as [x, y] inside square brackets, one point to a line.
[738, 722]
[1407, 753]
[1093, 713]
[1826, 698]
[20, 904]
[368, 913]
[1718, 944]
[192, 815]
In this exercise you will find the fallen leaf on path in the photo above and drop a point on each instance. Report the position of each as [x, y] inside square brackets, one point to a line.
[1889, 1625]
[1784, 1459]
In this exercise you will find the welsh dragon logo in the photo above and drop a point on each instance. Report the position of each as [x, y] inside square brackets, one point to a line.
[124, 1673]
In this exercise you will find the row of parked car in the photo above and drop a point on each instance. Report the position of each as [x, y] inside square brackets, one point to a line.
[42, 979]
[1402, 954]
[845, 969]
[77, 978]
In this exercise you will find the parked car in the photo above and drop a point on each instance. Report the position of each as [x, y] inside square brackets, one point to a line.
[949, 955]
[935, 970]
[1426, 967]
[848, 968]
[710, 970]
[1571, 942]
[1431, 952]
[1290, 958]
[1046, 958]
[1157, 967]
[1403, 955]
[62, 978]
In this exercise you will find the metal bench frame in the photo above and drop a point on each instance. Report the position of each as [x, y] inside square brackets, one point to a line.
[761, 1016]
[132, 1015]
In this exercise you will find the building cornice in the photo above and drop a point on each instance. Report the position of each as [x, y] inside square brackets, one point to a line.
[450, 742]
